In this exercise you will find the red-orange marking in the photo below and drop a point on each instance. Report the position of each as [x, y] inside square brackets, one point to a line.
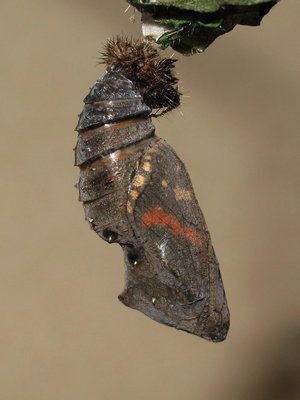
[160, 217]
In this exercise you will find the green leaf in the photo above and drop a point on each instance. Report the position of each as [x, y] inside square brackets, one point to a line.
[190, 26]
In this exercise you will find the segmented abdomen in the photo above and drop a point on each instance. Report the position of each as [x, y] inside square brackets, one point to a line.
[114, 130]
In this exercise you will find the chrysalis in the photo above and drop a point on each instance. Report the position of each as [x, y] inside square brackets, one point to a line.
[137, 192]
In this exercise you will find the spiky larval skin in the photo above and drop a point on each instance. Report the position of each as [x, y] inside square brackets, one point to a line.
[140, 62]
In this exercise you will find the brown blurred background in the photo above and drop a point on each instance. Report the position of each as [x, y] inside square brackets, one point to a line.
[63, 333]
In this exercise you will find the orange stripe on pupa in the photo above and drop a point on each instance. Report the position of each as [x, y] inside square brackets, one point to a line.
[157, 216]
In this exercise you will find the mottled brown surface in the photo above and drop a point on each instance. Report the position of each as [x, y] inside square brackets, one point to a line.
[126, 174]
[64, 335]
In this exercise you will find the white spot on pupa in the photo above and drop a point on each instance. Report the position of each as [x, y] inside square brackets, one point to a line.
[162, 248]
[153, 300]
[90, 219]
[114, 156]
